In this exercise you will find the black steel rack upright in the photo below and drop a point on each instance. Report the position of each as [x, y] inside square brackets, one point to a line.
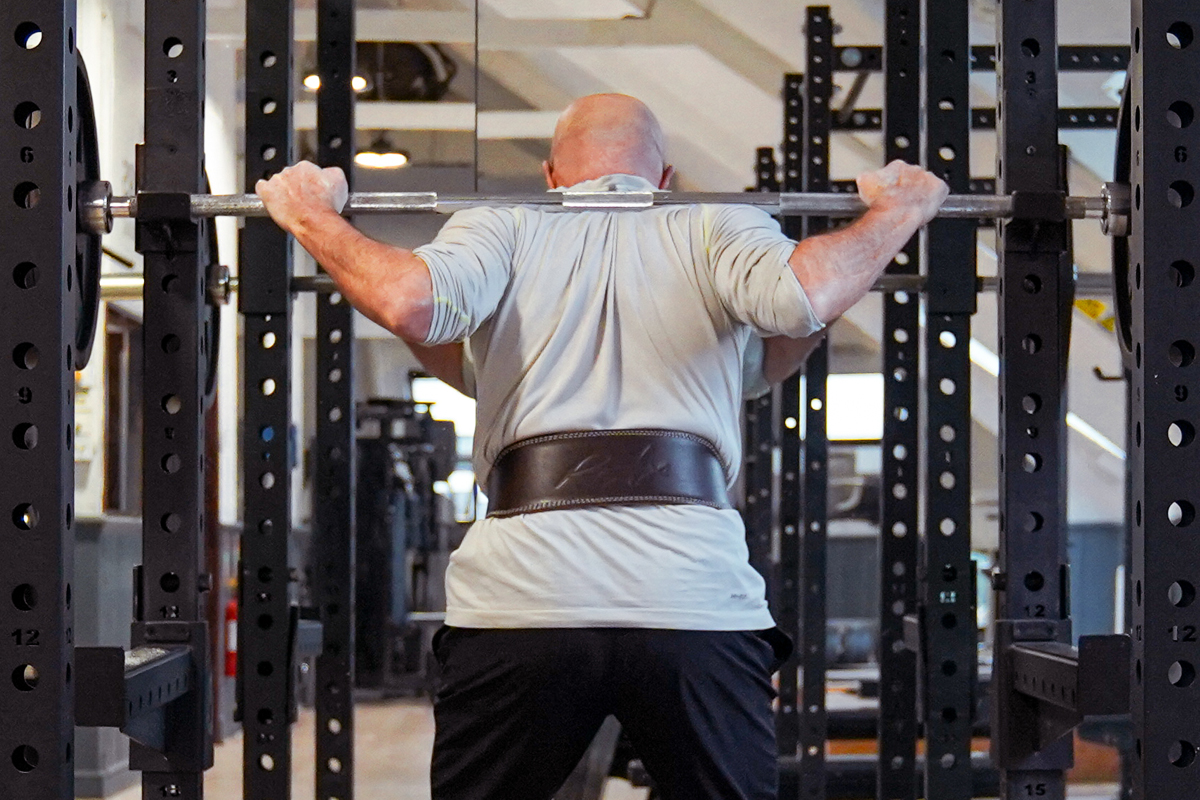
[787, 593]
[170, 605]
[265, 633]
[948, 652]
[37, 59]
[899, 524]
[818, 93]
[333, 484]
[1035, 324]
[1165, 250]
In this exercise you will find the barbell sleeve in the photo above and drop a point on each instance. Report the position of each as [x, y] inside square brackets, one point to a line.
[788, 204]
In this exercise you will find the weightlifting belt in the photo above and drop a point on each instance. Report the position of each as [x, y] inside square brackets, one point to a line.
[597, 468]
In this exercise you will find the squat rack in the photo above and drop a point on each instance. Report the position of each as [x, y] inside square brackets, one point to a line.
[164, 678]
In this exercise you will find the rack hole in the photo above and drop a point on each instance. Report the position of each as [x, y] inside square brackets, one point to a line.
[1032, 284]
[1180, 114]
[1031, 403]
[949, 573]
[1031, 48]
[269, 153]
[1181, 353]
[27, 195]
[267, 481]
[265, 621]
[335, 335]
[265, 716]
[899, 530]
[25, 275]
[25, 677]
[170, 582]
[335, 414]
[266, 762]
[25, 516]
[1181, 194]
[28, 35]
[268, 340]
[1181, 674]
[170, 523]
[1181, 594]
[335, 765]
[946, 386]
[25, 758]
[1031, 462]
[173, 48]
[1179, 35]
[24, 597]
[268, 59]
[1034, 581]
[267, 387]
[1181, 513]
[27, 115]
[947, 480]
[949, 621]
[947, 433]
[1033, 522]
[947, 339]
[335, 726]
[265, 574]
[172, 404]
[265, 668]
[268, 106]
[1182, 274]
[25, 436]
[1181, 753]
[171, 344]
[947, 527]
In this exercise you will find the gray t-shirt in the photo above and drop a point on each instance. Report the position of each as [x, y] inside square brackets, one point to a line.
[594, 320]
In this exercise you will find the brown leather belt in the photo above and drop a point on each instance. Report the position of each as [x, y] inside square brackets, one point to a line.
[595, 468]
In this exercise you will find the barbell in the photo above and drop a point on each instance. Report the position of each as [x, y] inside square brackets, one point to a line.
[1112, 207]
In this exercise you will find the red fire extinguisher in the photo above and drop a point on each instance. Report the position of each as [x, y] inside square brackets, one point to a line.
[231, 616]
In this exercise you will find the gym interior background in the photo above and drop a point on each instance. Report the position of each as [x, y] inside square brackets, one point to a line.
[458, 96]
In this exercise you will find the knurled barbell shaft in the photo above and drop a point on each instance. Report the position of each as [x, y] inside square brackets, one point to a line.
[788, 204]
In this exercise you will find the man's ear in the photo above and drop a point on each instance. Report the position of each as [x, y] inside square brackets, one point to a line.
[667, 175]
[548, 173]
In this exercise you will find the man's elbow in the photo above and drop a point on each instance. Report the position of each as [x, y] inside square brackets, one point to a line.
[410, 319]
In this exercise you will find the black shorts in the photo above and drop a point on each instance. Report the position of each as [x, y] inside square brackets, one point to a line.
[517, 709]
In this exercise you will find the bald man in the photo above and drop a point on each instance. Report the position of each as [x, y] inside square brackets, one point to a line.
[611, 574]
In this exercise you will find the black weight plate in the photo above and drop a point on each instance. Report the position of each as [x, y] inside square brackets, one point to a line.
[1122, 289]
[88, 248]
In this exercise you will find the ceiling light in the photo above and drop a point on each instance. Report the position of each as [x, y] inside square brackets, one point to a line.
[312, 82]
[381, 155]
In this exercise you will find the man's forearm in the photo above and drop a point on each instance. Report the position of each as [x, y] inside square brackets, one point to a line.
[837, 269]
[389, 285]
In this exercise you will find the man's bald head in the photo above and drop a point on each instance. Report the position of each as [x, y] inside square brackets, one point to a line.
[603, 134]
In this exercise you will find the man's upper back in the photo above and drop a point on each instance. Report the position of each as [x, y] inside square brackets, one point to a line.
[611, 319]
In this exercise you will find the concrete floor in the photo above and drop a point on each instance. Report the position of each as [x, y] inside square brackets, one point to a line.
[393, 742]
